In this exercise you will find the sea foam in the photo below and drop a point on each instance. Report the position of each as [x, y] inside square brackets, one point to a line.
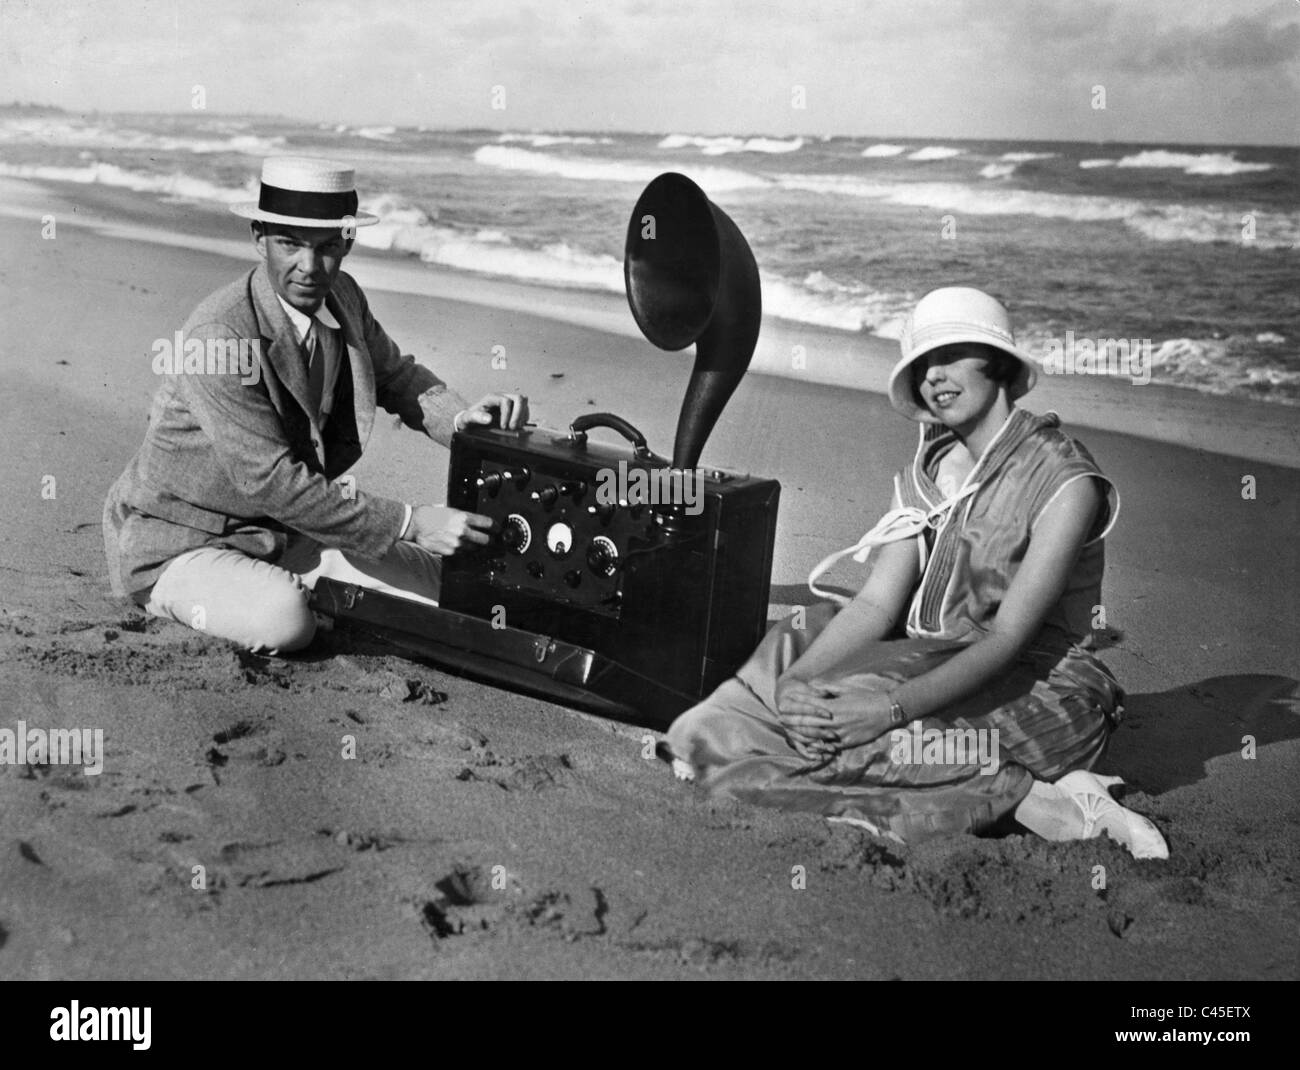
[1157, 221]
[585, 168]
[1205, 163]
[543, 141]
[720, 146]
[58, 132]
[106, 174]
[934, 152]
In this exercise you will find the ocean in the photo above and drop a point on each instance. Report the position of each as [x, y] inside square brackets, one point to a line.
[1194, 248]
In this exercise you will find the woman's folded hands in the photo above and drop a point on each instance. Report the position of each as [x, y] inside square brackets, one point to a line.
[824, 717]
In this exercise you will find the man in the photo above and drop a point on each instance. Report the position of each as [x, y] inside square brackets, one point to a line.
[229, 513]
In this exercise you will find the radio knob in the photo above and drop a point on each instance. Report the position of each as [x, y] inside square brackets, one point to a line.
[519, 475]
[516, 534]
[490, 482]
[603, 513]
[546, 495]
[575, 489]
[602, 556]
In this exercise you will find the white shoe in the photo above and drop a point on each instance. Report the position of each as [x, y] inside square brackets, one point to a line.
[682, 770]
[1090, 793]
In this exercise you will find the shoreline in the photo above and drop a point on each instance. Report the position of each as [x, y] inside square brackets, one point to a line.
[1231, 426]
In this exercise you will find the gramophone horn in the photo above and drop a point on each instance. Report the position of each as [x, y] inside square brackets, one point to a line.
[691, 277]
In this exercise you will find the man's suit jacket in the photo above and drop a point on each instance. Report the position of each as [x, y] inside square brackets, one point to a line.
[238, 464]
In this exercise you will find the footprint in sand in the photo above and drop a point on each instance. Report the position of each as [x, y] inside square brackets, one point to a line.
[532, 772]
[247, 741]
[478, 899]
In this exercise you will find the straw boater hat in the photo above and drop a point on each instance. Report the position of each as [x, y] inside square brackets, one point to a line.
[303, 192]
[944, 317]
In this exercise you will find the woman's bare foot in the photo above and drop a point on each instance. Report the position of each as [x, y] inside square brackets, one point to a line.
[1079, 806]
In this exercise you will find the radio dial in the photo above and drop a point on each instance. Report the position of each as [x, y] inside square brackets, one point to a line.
[602, 556]
[516, 534]
[559, 539]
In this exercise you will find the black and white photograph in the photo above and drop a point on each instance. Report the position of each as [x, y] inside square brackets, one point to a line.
[651, 490]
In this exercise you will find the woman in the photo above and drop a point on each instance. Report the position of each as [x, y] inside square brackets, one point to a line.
[991, 704]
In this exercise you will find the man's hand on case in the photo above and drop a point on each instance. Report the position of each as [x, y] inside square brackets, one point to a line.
[509, 411]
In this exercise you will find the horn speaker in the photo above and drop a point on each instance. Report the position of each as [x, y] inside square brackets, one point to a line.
[691, 277]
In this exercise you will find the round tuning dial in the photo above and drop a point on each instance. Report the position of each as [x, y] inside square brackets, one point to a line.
[559, 539]
[602, 556]
[516, 534]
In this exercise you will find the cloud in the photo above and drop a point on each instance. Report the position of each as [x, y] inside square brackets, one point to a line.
[922, 68]
[1241, 43]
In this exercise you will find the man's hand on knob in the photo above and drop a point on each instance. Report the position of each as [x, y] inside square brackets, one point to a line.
[443, 531]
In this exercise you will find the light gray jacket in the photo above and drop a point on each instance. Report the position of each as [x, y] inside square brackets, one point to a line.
[232, 462]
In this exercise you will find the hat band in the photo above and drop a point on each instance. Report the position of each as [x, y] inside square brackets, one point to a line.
[972, 331]
[293, 202]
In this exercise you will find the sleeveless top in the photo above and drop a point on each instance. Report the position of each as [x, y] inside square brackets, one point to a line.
[974, 537]
[975, 547]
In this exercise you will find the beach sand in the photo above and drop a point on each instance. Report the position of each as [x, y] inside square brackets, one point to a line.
[480, 834]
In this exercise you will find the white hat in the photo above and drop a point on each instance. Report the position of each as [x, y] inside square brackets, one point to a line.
[303, 192]
[947, 316]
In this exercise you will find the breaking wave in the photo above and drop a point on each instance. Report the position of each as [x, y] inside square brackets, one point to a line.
[582, 168]
[720, 146]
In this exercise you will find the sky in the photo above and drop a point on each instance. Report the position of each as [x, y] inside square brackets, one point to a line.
[1187, 71]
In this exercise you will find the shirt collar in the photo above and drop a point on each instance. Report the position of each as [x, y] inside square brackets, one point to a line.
[301, 321]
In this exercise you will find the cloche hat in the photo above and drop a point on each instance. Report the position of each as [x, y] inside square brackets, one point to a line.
[947, 316]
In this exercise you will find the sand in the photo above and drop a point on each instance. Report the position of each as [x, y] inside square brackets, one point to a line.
[480, 834]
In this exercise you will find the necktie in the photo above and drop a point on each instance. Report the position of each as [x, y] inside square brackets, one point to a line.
[314, 343]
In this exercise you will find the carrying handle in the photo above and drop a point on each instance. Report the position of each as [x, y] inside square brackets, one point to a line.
[580, 426]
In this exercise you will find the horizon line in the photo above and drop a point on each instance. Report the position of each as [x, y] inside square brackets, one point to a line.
[449, 129]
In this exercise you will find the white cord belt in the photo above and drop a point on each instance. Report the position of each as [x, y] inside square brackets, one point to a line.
[895, 526]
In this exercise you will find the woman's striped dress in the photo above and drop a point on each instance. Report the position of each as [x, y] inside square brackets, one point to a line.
[1053, 711]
